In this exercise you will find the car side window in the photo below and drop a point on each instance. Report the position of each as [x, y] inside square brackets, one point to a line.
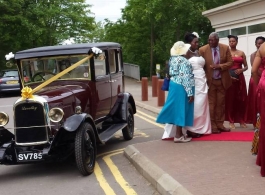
[100, 66]
[119, 61]
[112, 61]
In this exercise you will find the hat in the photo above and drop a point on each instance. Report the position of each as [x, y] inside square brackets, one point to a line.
[179, 48]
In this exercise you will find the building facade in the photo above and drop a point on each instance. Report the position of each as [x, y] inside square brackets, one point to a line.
[244, 18]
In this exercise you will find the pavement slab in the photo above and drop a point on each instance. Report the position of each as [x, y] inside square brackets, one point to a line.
[197, 167]
[200, 167]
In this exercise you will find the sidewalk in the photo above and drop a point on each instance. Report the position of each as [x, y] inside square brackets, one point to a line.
[199, 167]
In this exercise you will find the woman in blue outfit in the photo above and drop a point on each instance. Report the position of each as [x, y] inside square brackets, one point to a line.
[179, 106]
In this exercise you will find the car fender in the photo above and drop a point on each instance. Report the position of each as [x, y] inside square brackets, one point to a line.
[72, 123]
[5, 136]
[121, 103]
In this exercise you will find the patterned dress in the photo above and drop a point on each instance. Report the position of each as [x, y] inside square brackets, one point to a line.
[177, 110]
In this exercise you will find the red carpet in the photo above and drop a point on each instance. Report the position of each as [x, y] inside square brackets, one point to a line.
[226, 136]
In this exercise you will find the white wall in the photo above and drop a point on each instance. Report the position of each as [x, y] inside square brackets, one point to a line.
[241, 13]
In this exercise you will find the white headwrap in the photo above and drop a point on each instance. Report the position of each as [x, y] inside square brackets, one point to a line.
[196, 34]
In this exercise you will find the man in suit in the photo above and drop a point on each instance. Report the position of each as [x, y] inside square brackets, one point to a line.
[218, 60]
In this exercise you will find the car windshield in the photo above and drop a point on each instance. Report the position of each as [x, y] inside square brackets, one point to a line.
[41, 69]
[9, 73]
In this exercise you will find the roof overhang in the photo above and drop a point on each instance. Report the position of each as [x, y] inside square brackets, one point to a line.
[241, 11]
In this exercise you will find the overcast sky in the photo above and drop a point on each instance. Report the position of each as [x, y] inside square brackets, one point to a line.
[110, 9]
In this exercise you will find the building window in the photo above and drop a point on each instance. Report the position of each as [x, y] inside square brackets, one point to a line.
[256, 28]
[224, 33]
[239, 31]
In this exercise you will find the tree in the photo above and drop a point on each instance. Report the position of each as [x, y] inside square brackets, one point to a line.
[97, 34]
[149, 28]
[33, 23]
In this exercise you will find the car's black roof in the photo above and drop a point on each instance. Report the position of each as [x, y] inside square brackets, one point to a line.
[64, 49]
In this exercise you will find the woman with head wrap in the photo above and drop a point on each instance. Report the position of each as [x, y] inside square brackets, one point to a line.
[179, 106]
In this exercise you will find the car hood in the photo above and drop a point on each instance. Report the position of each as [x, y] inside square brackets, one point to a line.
[59, 91]
[66, 97]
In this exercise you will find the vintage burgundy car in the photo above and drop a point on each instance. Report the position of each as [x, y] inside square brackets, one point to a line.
[72, 101]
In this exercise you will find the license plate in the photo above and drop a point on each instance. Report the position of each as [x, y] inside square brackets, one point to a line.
[11, 82]
[29, 156]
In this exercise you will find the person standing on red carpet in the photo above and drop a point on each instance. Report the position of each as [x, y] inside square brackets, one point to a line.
[179, 106]
[218, 60]
[202, 121]
[260, 61]
[251, 114]
[236, 94]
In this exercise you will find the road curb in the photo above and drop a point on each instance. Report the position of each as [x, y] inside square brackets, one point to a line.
[147, 107]
[162, 181]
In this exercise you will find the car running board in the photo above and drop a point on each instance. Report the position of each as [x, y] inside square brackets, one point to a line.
[108, 133]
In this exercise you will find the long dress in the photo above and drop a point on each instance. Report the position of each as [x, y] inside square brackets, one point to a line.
[236, 96]
[251, 113]
[177, 110]
[261, 103]
[202, 121]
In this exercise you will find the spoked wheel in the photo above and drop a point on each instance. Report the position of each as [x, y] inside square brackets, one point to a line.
[128, 131]
[85, 149]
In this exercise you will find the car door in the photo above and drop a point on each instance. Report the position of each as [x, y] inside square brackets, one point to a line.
[116, 74]
[103, 88]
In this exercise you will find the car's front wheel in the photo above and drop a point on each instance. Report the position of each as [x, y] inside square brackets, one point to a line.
[85, 149]
[128, 131]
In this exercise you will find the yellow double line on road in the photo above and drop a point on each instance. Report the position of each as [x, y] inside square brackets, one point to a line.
[115, 172]
[148, 120]
[114, 169]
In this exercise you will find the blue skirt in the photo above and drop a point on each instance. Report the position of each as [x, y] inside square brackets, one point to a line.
[177, 109]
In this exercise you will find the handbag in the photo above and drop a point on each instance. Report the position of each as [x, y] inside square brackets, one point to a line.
[165, 85]
[233, 74]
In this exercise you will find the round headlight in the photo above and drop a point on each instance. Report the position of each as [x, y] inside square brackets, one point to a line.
[56, 114]
[4, 118]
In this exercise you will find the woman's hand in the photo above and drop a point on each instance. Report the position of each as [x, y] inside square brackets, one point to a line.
[191, 99]
[239, 71]
[215, 66]
[234, 79]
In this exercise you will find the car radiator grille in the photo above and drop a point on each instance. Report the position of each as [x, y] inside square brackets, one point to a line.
[30, 123]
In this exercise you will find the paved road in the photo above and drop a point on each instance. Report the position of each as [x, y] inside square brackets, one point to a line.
[114, 174]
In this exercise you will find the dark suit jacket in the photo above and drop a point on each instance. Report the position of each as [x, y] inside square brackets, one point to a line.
[226, 62]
